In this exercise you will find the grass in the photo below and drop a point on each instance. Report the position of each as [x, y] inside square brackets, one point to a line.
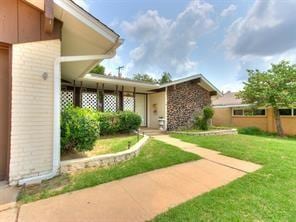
[154, 155]
[106, 144]
[268, 194]
[212, 128]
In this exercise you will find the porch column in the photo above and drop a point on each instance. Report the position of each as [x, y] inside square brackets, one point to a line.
[134, 95]
[98, 97]
[117, 98]
[103, 94]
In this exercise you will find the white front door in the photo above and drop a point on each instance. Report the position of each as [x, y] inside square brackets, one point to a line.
[141, 107]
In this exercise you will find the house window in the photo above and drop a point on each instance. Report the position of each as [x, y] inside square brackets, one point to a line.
[285, 112]
[238, 112]
[259, 112]
[249, 112]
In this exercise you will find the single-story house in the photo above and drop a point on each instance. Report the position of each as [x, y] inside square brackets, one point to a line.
[47, 48]
[231, 111]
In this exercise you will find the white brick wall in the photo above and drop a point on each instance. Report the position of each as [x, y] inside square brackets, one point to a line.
[32, 108]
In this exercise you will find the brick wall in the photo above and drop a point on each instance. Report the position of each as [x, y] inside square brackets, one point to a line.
[32, 108]
[183, 102]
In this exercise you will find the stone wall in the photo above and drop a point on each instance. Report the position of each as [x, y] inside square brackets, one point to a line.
[184, 100]
[72, 166]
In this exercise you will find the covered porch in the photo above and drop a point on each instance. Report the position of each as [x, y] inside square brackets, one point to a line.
[112, 94]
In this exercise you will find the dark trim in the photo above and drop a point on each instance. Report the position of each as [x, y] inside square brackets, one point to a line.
[134, 95]
[9, 111]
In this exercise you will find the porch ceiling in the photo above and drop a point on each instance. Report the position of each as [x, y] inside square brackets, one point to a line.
[82, 35]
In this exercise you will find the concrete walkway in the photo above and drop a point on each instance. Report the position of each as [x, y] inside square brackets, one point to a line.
[141, 197]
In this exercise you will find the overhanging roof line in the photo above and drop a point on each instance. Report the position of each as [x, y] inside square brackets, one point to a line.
[87, 19]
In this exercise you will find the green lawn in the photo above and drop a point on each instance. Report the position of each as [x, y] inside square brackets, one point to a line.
[153, 155]
[268, 194]
[104, 145]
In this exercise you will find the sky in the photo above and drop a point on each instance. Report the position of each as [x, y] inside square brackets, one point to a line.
[220, 39]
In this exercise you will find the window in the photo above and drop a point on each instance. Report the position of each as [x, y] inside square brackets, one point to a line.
[285, 112]
[294, 112]
[249, 112]
[259, 112]
[238, 112]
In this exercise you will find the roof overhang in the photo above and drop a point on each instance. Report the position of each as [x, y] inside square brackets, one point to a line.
[203, 82]
[82, 34]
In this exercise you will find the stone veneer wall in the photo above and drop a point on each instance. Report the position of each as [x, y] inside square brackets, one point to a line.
[184, 100]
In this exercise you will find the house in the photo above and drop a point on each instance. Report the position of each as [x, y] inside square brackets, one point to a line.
[231, 111]
[47, 48]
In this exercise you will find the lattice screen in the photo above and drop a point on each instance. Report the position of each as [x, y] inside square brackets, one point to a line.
[109, 103]
[66, 98]
[89, 100]
[128, 103]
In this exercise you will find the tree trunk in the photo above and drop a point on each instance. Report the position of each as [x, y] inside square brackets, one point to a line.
[278, 122]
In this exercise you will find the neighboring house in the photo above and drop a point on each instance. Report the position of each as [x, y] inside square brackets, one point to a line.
[230, 111]
[47, 48]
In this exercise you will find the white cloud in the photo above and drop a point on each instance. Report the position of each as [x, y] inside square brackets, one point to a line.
[228, 11]
[234, 86]
[167, 44]
[267, 29]
[83, 3]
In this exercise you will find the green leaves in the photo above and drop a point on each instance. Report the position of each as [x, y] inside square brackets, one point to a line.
[275, 87]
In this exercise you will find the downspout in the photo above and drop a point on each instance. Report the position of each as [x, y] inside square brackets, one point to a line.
[56, 113]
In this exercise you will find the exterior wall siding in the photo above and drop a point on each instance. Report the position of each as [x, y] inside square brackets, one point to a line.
[32, 108]
[184, 100]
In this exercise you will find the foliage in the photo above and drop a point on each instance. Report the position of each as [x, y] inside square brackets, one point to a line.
[98, 69]
[252, 130]
[275, 87]
[118, 122]
[265, 195]
[144, 77]
[153, 155]
[165, 78]
[79, 129]
[202, 121]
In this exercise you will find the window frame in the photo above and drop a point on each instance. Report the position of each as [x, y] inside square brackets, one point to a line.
[247, 108]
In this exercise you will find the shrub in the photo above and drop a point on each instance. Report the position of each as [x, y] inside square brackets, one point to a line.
[119, 122]
[79, 129]
[202, 121]
[109, 123]
[252, 130]
[129, 121]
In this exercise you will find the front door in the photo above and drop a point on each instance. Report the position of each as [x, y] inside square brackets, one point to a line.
[4, 110]
[141, 107]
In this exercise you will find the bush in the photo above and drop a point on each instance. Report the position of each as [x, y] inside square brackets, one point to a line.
[252, 130]
[202, 121]
[79, 129]
[119, 122]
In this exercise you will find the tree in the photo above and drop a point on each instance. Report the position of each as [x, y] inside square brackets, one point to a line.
[165, 78]
[144, 77]
[98, 69]
[274, 88]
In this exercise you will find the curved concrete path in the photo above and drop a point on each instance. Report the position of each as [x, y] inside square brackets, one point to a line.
[141, 197]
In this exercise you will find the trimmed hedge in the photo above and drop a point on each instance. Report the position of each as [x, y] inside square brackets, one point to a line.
[119, 122]
[202, 121]
[79, 129]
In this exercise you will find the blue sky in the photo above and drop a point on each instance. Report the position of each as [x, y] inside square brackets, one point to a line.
[218, 38]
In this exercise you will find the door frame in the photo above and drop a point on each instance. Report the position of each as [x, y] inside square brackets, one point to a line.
[9, 48]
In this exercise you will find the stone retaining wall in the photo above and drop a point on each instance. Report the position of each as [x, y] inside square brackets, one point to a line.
[71, 166]
[209, 133]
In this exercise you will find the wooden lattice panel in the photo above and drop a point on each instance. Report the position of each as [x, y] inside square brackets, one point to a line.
[109, 103]
[128, 103]
[89, 100]
[66, 99]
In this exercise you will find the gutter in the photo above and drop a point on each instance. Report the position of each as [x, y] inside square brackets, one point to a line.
[56, 114]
